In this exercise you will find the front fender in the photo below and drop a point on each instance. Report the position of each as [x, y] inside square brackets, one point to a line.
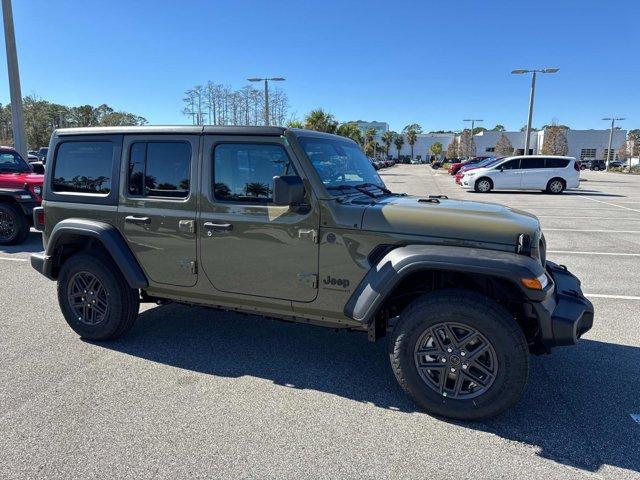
[400, 262]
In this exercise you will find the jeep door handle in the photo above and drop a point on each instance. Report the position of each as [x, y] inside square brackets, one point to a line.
[211, 227]
[138, 220]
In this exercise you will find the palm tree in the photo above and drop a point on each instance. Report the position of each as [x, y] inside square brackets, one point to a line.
[398, 140]
[436, 149]
[295, 124]
[387, 139]
[256, 189]
[350, 130]
[369, 139]
[412, 138]
[321, 121]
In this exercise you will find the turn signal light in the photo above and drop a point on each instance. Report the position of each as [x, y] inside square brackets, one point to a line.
[535, 283]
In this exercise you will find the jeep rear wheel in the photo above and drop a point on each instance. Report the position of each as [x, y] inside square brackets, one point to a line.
[483, 185]
[13, 225]
[95, 299]
[459, 354]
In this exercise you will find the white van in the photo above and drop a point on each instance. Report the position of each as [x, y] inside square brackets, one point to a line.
[552, 174]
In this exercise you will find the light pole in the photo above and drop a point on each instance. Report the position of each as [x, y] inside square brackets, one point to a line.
[473, 123]
[613, 122]
[527, 140]
[266, 93]
[17, 118]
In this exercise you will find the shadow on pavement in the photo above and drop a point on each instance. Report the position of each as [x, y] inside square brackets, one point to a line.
[575, 410]
[32, 244]
[596, 193]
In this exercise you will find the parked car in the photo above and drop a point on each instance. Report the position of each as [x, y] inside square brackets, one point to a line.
[454, 167]
[148, 214]
[552, 174]
[485, 163]
[597, 165]
[42, 154]
[20, 192]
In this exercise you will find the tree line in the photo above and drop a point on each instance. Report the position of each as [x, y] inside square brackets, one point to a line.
[217, 104]
[41, 118]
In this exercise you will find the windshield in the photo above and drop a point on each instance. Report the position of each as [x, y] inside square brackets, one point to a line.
[340, 164]
[11, 162]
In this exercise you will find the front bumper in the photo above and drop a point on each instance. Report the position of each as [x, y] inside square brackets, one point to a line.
[565, 314]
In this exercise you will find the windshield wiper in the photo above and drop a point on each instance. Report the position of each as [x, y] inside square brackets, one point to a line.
[383, 189]
[352, 187]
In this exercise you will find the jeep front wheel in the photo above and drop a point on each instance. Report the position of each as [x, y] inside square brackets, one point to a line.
[460, 355]
[13, 225]
[95, 299]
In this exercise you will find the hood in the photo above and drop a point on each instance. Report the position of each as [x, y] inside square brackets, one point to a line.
[453, 220]
[17, 180]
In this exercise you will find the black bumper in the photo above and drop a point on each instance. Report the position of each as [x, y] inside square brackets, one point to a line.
[41, 262]
[565, 315]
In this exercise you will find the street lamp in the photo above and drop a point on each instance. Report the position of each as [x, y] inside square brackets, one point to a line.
[613, 122]
[17, 118]
[533, 91]
[266, 93]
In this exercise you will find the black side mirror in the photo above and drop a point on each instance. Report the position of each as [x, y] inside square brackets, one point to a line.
[37, 168]
[288, 190]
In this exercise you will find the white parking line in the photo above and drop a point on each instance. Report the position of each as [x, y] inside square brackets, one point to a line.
[588, 231]
[635, 417]
[13, 259]
[592, 218]
[617, 297]
[613, 254]
[612, 204]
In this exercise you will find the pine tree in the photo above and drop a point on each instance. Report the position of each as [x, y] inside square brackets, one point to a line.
[503, 146]
[467, 147]
[555, 141]
[452, 149]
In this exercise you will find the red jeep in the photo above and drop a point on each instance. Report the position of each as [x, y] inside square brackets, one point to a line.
[20, 192]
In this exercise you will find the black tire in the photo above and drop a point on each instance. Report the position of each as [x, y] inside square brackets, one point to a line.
[123, 302]
[556, 186]
[479, 185]
[487, 318]
[14, 227]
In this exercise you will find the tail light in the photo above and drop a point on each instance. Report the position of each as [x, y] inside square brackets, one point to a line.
[38, 219]
[576, 165]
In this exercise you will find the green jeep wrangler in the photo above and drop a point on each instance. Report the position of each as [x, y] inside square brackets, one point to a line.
[297, 225]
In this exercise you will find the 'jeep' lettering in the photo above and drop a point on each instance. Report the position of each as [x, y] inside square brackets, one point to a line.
[341, 282]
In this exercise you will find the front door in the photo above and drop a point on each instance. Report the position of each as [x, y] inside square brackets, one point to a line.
[508, 175]
[248, 245]
[157, 209]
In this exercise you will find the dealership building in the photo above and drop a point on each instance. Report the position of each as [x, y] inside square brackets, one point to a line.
[582, 144]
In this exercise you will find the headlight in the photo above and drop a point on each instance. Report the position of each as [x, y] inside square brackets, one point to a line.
[37, 190]
[470, 174]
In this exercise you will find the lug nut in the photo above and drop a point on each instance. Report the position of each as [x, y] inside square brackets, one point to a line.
[464, 366]
[453, 370]
[449, 350]
[444, 360]
[462, 354]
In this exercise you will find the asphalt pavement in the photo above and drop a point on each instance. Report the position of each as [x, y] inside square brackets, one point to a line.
[195, 393]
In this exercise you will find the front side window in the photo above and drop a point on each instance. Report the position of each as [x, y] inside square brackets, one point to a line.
[243, 172]
[339, 163]
[83, 167]
[159, 169]
[12, 163]
[510, 165]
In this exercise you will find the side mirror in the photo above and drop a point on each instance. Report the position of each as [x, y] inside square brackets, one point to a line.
[37, 168]
[288, 190]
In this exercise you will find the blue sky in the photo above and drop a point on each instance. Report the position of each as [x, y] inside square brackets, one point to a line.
[434, 63]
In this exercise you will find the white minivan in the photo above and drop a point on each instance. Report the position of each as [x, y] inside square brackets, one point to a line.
[548, 173]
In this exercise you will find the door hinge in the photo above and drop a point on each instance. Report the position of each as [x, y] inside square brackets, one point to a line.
[308, 233]
[308, 279]
[187, 226]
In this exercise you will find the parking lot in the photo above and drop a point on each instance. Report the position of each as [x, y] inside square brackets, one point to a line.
[194, 393]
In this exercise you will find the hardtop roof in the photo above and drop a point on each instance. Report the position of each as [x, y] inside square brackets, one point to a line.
[172, 129]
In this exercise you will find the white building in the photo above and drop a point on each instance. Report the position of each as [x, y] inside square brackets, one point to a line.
[582, 144]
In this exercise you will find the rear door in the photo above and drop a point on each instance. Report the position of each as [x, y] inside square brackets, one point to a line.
[534, 174]
[157, 209]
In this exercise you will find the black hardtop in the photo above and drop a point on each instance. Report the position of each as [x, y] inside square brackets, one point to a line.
[172, 129]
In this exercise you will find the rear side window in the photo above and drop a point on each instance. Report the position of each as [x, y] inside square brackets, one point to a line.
[244, 172]
[556, 162]
[159, 169]
[83, 167]
[531, 162]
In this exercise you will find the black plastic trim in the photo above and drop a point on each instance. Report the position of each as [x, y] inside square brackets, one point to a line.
[107, 234]
[400, 262]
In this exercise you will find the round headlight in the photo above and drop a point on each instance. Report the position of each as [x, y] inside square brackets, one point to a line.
[37, 190]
